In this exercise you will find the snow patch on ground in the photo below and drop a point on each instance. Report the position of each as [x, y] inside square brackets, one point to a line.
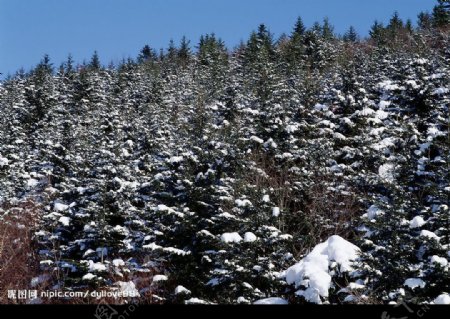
[313, 272]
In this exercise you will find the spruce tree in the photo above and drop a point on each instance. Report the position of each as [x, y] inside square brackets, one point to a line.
[147, 54]
[351, 35]
[377, 33]
[94, 64]
[327, 30]
[424, 20]
[184, 51]
[441, 14]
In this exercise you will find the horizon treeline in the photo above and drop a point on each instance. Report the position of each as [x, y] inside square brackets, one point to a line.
[395, 35]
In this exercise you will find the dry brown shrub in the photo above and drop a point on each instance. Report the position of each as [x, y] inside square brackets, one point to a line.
[18, 254]
[313, 214]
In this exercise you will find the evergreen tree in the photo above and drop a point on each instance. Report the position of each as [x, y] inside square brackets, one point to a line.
[424, 20]
[441, 14]
[94, 64]
[395, 23]
[299, 28]
[377, 33]
[184, 51]
[409, 26]
[68, 65]
[295, 49]
[351, 35]
[327, 30]
[172, 51]
[44, 68]
[147, 54]
[394, 29]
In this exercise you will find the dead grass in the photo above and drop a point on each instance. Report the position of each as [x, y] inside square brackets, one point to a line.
[312, 214]
[18, 254]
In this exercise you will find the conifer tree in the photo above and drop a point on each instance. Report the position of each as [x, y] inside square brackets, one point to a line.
[295, 49]
[94, 64]
[147, 54]
[441, 14]
[299, 28]
[351, 35]
[424, 20]
[69, 64]
[377, 33]
[327, 30]
[184, 51]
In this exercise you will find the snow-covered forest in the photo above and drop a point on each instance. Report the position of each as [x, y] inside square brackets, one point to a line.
[313, 168]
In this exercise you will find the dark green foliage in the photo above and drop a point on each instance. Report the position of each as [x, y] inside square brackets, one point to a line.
[44, 68]
[377, 32]
[351, 35]
[147, 54]
[424, 20]
[184, 51]
[299, 28]
[327, 30]
[441, 14]
[94, 64]
[69, 67]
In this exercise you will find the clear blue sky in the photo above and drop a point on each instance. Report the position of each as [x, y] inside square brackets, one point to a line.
[119, 28]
